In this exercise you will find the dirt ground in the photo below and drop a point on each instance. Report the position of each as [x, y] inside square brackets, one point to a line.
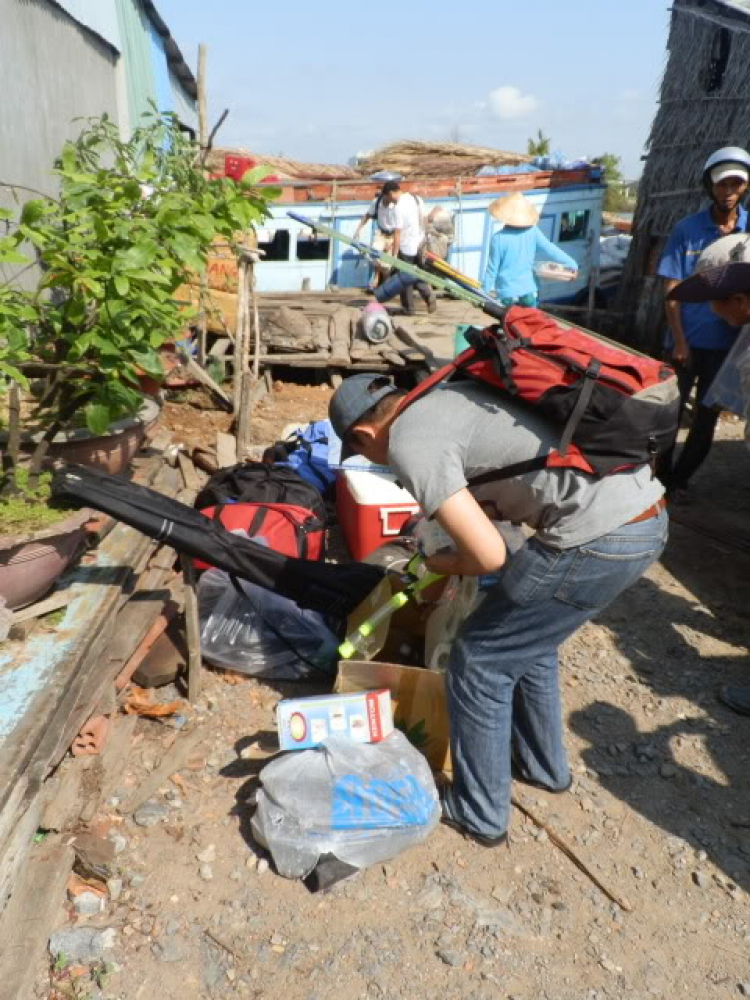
[193, 420]
[659, 810]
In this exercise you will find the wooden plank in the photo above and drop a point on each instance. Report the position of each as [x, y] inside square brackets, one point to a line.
[63, 795]
[245, 411]
[173, 760]
[226, 449]
[195, 369]
[65, 678]
[155, 624]
[105, 771]
[220, 347]
[192, 628]
[294, 356]
[18, 842]
[53, 603]
[256, 318]
[240, 334]
[190, 475]
[30, 918]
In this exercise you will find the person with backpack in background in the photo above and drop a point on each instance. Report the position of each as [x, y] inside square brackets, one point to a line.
[595, 536]
[408, 237]
[509, 275]
[382, 213]
[698, 339]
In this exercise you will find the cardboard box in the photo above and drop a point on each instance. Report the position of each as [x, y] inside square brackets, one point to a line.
[365, 716]
[420, 709]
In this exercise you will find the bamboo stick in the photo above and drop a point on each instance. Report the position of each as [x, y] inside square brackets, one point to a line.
[240, 350]
[192, 628]
[256, 321]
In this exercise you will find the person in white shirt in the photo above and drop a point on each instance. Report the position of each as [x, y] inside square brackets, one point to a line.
[408, 237]
[382, 212]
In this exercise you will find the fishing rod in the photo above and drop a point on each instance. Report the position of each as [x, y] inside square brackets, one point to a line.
[454, 283]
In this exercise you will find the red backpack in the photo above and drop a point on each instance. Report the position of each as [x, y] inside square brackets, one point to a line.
[617, 408]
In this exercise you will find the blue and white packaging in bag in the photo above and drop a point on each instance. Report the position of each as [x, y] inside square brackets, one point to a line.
[362, 802]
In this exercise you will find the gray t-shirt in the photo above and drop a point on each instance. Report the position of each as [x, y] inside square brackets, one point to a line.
[461, 431]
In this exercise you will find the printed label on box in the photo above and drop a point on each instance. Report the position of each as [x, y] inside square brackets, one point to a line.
[365, 717]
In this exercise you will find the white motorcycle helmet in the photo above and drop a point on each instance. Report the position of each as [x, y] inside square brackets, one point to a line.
[727, 155]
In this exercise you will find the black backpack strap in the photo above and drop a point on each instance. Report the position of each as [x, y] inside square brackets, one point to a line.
[584, 398]
[510, 471]
[537, 464]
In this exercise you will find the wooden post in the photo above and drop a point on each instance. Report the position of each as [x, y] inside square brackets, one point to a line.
[203, 323]
[243, 417]
[248, 278]
[192, 628]
[203, 140]
[240, 336]
[202, 112]
[256, 319]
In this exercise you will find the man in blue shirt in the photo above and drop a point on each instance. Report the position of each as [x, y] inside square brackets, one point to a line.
[700, 340]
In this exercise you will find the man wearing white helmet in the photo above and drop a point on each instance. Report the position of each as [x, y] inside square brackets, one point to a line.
[699, 338]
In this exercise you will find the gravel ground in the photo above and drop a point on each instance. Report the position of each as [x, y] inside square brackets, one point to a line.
[659, 811]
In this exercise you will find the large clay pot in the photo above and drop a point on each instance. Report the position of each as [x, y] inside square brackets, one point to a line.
[31, 563]
[111, 452]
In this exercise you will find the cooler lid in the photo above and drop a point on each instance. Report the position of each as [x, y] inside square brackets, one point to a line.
[370, 488]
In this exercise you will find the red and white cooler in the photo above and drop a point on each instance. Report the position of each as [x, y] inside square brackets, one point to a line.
[371, 509]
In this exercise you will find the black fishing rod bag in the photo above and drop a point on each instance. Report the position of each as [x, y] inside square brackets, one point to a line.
[330, 588]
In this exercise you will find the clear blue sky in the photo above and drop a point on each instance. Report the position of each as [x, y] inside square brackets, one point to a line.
[322, 81]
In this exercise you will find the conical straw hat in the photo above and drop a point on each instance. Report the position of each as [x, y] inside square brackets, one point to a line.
[514, 210]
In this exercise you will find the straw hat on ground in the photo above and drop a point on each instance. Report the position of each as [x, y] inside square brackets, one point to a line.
[514, 210]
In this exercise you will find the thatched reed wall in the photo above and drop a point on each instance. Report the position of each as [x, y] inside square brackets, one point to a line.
[704, 104]
[413, 158]
[284, 167]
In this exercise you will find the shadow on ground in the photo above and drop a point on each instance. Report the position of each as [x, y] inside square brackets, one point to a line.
[685, 646]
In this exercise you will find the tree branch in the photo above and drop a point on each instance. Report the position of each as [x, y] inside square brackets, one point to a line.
[211, 136]
[23, 187]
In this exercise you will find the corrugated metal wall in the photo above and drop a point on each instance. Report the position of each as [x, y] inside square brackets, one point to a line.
[56, 70]
[182, 105]
[99, 15]
[53, 71]
[137, 52]
[147, 74]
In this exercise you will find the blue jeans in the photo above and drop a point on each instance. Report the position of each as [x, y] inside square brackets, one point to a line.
[403, 285]
[502, 681]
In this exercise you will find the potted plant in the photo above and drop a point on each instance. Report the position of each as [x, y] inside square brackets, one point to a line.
[134, 220]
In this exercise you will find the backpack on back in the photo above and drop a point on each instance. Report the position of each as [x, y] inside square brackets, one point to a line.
[617, 409]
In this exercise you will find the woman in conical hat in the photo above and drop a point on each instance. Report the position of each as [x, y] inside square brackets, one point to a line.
[509, 275]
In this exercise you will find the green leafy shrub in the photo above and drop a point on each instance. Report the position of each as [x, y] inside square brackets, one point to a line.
[134, 221]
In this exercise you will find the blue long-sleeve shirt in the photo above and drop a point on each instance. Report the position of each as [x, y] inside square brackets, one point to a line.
[510, 268]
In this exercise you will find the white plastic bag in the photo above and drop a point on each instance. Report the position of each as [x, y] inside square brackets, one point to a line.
[261, 633]
[363, 803]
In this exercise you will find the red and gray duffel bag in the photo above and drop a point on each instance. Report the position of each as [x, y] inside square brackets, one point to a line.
[270, 502]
